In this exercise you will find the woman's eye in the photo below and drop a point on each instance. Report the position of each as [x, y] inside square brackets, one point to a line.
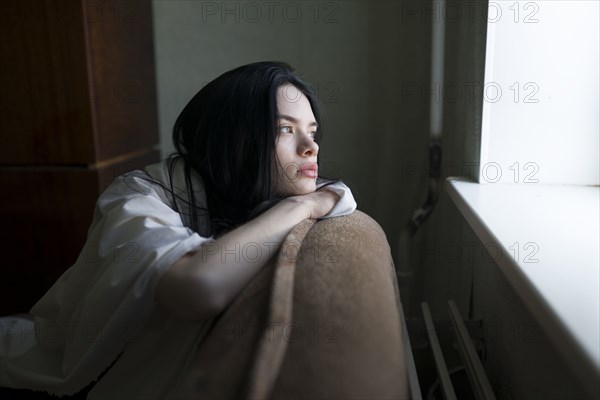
[285, 129]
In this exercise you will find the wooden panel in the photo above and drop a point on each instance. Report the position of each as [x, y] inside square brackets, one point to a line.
[78, 109]
[78, 81]
[45, 215]
[121, 56]
[45, 103]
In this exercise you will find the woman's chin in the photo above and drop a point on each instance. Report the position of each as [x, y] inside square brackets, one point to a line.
[308, 187]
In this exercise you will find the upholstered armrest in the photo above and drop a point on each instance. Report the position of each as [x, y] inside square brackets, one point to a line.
[345, 337]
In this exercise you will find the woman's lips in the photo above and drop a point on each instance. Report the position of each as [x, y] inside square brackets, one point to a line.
[309, 170]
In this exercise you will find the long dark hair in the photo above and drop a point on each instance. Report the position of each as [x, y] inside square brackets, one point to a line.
[227, 133]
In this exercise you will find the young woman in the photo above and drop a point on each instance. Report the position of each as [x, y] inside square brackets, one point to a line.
[171, 246]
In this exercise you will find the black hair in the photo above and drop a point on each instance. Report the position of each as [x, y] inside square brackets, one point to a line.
[227, 134]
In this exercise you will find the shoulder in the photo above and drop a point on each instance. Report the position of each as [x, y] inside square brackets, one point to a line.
[157, 189]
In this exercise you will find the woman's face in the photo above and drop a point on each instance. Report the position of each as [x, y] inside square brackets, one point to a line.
[296, 149]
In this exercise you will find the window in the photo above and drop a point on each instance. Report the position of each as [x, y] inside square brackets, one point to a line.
[540, 114]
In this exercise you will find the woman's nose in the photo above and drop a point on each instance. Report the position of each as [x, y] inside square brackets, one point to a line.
[308, 147]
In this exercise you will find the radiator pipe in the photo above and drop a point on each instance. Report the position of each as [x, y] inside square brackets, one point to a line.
[421, 214]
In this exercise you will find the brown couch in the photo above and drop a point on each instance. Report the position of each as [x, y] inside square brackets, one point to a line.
[324, 325]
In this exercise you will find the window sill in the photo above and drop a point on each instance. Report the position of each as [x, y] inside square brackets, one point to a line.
[546, 239]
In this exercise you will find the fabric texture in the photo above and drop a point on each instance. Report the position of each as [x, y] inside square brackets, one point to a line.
[102, 312]
[269, 355]
[344, 341]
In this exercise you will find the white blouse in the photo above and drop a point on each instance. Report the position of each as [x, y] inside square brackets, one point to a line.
[103, 308]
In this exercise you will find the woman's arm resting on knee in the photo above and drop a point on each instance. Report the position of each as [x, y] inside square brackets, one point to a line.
[201, 284]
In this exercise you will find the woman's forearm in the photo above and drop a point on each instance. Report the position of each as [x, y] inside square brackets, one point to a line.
[226, 265]
[202, 284]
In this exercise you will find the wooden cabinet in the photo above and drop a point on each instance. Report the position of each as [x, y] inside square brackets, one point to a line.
[78, 109]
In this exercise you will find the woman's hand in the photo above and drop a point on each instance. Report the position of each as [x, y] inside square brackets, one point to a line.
[317, 204]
